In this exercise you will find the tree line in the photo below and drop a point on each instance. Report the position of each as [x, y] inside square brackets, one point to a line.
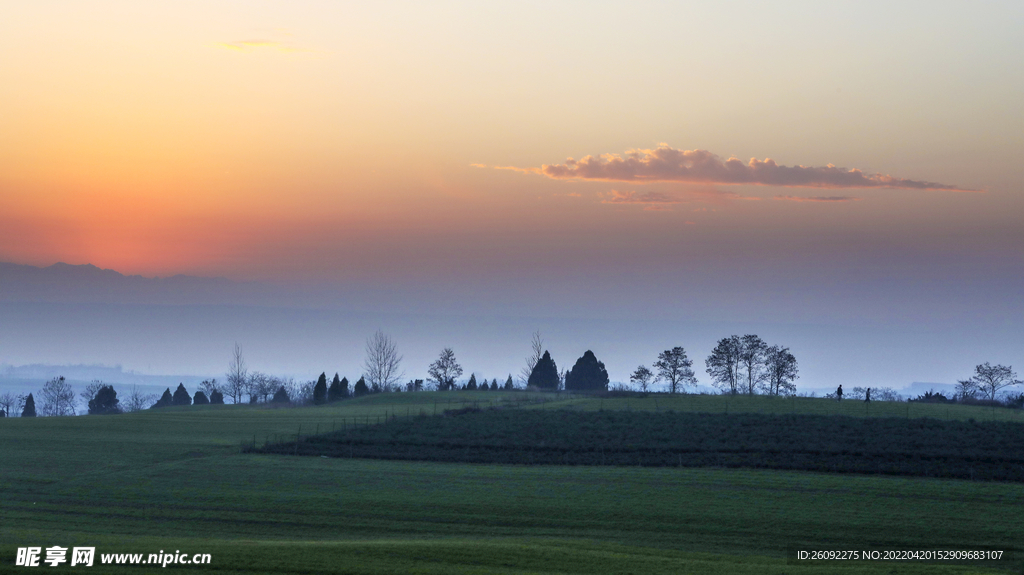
[737, 365]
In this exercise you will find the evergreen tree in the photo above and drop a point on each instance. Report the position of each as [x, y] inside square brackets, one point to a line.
[360, 388]
[494, 384]
[165, 400]
[344, 388]
[200, 398]
[544, 374]
[588, 374]
[216, 397]
[181, 396]
[509, 386]
[472, 382]
[320, 390]
[105, 402]
[30, 407]
[282, 395]
[334, 391]
[483, 385]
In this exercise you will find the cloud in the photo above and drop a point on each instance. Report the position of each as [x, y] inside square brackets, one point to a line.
[250, 45]
[647, 198]
[667, 164]
[478, 165]
[660, 201]
[818, 199]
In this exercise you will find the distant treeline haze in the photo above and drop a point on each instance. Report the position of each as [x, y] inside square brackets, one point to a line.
[737, 365]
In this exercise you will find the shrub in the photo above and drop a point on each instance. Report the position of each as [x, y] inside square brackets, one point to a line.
[931, 396]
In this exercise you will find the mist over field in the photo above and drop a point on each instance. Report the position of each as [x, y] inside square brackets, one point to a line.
[187, 326]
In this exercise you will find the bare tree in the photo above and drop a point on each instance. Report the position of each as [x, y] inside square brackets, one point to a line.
[537, 351]
[382, 363]
[274, 383]
[237, 376]
[642, 378]
[90, 391]
[58, 398]
[885, 394]
[8, 402]
[300, 392]
[723, 364]
[989, 379]
[966, 389]
[752, 359]
[136, 400]
[445, 370]
[781, 370]
[208, 386]
[261, 386]
[675, 368]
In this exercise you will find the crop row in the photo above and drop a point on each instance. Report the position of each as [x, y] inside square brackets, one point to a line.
[917, 447]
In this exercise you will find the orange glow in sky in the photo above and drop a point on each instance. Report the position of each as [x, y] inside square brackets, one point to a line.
[315, 141]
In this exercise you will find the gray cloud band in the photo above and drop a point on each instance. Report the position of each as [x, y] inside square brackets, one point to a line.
[667, 164]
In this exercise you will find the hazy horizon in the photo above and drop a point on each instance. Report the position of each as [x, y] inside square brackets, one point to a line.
[85, 309]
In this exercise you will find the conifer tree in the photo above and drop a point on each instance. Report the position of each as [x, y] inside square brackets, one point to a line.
[334, 391]
[588, 374]
[281, 396]
[200, 398]
[544, 374]
[472, 382]
[181, 396]
[30, 407]
[509, 386]
[165, 400]
[320, 390]
[105, 402]
[360, 388]
[216, 397]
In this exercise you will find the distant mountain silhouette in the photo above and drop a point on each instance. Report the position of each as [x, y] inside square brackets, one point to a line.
[66, 283]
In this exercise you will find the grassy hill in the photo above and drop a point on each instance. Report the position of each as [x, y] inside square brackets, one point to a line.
[176, 480]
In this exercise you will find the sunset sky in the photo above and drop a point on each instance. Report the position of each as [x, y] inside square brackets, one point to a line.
[641, 159]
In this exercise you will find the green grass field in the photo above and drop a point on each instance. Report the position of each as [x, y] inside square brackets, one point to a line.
[176, 480]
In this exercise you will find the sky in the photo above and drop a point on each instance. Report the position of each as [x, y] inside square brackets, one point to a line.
[847, 163]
